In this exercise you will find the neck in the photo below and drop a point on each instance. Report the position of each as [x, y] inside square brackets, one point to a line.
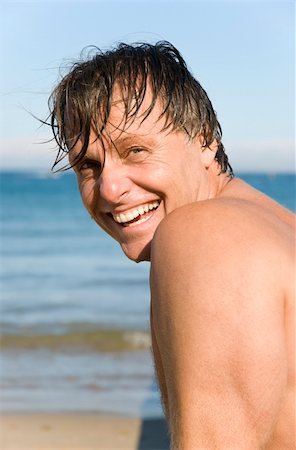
[217, 180]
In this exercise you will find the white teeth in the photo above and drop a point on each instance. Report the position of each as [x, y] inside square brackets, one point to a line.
[153, 205]
[130, 215]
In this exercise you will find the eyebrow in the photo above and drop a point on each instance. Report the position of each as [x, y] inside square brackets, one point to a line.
[127, 139]
[133, 138]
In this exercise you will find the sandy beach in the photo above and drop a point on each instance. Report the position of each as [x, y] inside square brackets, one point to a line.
[81, 432]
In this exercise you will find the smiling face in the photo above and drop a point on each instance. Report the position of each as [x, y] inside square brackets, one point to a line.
[147, 173]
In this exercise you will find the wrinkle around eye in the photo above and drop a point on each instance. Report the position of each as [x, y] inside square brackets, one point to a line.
[90, 164]
[88, 168]
[137, 153]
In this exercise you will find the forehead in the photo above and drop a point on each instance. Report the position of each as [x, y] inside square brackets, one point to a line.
[140, 119]
[137, 122]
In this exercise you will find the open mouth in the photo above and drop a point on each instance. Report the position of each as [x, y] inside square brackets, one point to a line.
[137, 215]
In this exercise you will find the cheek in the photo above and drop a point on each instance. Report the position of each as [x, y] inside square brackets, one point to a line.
[192, 173]
[160, 177]
[87, 193]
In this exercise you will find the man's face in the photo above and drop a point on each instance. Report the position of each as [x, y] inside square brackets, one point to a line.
[147, 173]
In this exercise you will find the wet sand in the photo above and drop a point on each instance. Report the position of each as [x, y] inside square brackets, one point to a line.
[81, 432]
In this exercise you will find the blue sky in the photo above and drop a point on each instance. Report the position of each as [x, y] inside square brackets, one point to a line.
[242, 52]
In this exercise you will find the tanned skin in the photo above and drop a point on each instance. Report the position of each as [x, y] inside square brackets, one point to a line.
[222, 280]
[223, 321]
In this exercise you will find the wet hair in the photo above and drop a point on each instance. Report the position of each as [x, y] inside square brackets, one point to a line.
[82, 100]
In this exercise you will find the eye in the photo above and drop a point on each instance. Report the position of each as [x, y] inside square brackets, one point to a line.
[89, 165]
[136, 150]
[136, 153]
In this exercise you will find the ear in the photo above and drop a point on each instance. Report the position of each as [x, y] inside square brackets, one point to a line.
[208, 154]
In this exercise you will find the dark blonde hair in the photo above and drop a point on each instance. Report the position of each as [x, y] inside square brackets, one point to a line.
[83, 98]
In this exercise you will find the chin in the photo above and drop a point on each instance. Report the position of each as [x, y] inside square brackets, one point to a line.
[136, 253]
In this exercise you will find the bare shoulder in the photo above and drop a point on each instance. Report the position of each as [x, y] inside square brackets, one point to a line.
[232, 236]
[238, 223]
[221, 271]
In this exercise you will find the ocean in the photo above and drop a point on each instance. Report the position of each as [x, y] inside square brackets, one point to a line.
[74, 310]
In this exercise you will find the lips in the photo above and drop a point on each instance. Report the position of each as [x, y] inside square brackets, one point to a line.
[136, 215]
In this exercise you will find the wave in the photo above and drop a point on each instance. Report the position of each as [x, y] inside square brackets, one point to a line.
[101, 340]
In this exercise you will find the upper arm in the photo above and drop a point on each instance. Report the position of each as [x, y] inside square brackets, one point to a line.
[218, 325]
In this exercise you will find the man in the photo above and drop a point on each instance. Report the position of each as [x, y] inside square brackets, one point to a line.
[145, 144]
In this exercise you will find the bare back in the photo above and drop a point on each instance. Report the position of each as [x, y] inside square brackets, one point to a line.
[279, 222]
[264, 258]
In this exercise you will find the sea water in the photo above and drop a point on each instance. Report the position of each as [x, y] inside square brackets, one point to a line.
[74, 310]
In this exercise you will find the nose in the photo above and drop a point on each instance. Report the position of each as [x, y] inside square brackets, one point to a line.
[113, 183]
